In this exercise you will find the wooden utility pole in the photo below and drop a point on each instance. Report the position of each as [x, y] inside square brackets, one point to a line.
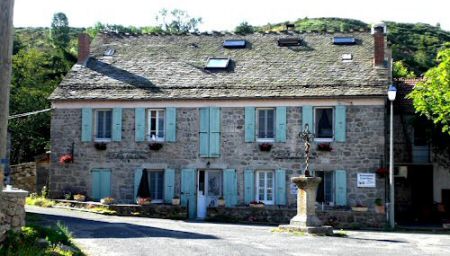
[6, 42]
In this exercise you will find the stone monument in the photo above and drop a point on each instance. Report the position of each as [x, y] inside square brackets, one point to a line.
[306, 219]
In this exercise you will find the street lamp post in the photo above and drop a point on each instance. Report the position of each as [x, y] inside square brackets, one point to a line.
[392, 92]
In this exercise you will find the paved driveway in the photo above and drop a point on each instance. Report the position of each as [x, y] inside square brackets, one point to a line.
[112, 235]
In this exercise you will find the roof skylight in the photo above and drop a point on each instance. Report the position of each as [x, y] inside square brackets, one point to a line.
[339, 40]
[109, 52]
[234, 43]
[289, 41]
[217, 63]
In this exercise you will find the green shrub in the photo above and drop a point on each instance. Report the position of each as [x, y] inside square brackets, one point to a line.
[39, 201]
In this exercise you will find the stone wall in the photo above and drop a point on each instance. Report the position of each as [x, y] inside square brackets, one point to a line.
[363, 151]
[23, 176]
[273, 215]
[12, 211]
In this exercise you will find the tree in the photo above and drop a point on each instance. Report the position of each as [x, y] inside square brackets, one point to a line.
[432, 96]
[60, 30]
[178, 21]
[401, 71]
[244, 28]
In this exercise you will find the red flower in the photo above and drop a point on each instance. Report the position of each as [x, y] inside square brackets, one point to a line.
[66, 159]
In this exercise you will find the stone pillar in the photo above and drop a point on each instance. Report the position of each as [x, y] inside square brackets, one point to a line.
[306, 219]
[12, 210]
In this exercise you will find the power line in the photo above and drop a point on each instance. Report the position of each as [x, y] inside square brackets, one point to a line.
[29, 113]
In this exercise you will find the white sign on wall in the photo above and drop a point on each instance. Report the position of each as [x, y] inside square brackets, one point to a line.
[293, 189]
[366, 180]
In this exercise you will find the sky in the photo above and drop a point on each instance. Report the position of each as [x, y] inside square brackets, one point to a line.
[227, 14]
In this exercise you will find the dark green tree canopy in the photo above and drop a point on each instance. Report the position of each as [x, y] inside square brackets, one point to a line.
[60, 30]
[244, 28]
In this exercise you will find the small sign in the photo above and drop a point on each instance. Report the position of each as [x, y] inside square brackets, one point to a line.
[366, 180]
[293, 189]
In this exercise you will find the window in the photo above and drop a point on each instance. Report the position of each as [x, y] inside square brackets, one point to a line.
[264, 186]
[156, 183]
[344, 40]
[155, 125]
[265, 124]
[103, 124]
[217, 63]
[325, 191]
[234, 43]
[323, 120]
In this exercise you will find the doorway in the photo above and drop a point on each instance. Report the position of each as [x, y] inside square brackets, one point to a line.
[209, 190]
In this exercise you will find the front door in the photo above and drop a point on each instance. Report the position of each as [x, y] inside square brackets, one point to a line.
[209, 190]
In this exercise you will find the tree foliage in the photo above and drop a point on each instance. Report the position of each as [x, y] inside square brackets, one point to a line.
[177, 21]
[432, 96]
[60, 30]
[399, 70]
[244, 28]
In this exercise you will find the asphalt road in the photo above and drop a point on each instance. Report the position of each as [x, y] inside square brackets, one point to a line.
[112, 235]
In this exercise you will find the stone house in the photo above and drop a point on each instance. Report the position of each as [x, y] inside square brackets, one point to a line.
[203, 116]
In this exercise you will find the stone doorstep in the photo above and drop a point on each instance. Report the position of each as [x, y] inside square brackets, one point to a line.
[321, 230]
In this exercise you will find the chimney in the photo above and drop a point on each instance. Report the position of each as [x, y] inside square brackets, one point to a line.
[84, 42]
[379, 32]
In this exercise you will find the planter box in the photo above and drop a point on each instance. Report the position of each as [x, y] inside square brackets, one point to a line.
[256, 205]
[176, 201]
[359, 209]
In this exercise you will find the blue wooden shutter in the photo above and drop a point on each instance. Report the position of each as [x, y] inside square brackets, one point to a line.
[214, 132]
[230, 187]
[105, 183]
[137, 181]
[307, 118]
[117, 124]
[188, 191]
[204, 132]
[169, 185]
[96, 184]
[340, 123]
[250, 117]
[281, 124]
[341, 187]
[171, 124]
[249, 186]
[139, 124]
[86, 124]
[280, 178]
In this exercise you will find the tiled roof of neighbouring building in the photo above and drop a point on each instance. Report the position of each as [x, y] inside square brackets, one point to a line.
[172, 67]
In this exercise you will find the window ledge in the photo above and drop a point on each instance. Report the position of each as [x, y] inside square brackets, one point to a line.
[265, 140]
[102, 140]
[323, 140]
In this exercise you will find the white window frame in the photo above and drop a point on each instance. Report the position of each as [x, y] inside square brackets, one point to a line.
[156, 201]
[265, 201]
[333, 187]
[158, 112]
[96, 138]
[333, 112]
[257, 125]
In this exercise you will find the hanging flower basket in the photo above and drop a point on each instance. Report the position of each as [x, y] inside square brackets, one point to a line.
[324, 147]
[67, 158]
[155, 146]
[265, 147]
[382, 172]
[100, 145]
[143, 200]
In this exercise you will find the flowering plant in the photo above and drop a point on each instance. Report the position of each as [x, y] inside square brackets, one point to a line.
[256, 202]
[67, 158]
[324, 147]
[143, 200]
[265, 146]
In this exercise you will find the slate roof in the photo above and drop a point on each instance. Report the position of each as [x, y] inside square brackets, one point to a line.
[172, 67]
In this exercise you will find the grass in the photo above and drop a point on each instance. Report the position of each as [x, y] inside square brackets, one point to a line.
[295, 233]
[34, 240]
[102, 210]
[39, 201]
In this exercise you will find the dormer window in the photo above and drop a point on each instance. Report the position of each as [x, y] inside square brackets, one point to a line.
[217, 63]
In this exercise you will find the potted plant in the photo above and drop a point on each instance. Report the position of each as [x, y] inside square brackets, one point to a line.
[67, 158]
[359, 207]
[143, 200]
[67, 195]
[265, 147]
[382, 172]
[100, 145]
[79, 197]
[256, 204]
[176, 200]
[107, 200]
[155, 146]
[379, 206]
[324, 147]
[221, 201]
